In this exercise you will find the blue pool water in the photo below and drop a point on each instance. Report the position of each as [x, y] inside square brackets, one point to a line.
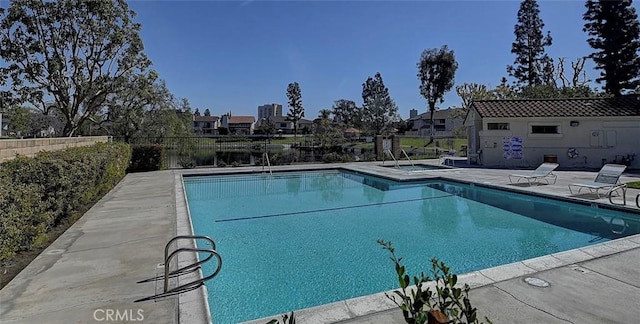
[297, 240]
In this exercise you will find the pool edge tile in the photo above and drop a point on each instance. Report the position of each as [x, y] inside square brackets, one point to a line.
[634, 239]
[474, 279]
[598, 250]
[507, 271]
[323, 314]
[573, 256]
[545, 262]
[370, 304]
[624, 244]
[192, 308]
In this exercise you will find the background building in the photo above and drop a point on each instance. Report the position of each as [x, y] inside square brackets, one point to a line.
[269, 110]
[576, 132]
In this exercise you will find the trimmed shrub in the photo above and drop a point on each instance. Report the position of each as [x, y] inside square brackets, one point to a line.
[336, 157]
[147, 157]
[39, 193]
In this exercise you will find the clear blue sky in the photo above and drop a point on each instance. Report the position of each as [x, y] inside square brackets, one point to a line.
[236, 55]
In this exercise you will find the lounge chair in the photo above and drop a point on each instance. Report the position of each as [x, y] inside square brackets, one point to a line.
[607, 179]
[543, 172]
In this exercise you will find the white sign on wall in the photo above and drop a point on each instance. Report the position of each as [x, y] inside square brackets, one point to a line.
[386, 144]
[512, 148]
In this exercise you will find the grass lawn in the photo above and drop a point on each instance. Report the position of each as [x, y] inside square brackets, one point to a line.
[417, 144]
[634, 184]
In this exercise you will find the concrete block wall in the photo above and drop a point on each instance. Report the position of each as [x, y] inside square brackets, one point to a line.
[31, 146]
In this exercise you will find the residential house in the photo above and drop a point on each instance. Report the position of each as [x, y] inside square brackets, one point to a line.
[577, 133]
[206, 125]
[285, 126]
[445, 123]
[305, 126]
[241, 125]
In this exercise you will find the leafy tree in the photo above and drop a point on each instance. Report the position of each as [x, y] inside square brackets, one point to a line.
[296, 111]
[436, 72]
[69, 53]
[326, 134]
[207, 112]
[19, 120]
[197, 113]
[547, 91]
[130, 109]
[267, 127]
[27, 122]
[504, 91]
[379, 110]
[401, 125]
[165, 121]
[469, 92]
[347, 113]
[324, 114]
[614, 34]
[531, 64]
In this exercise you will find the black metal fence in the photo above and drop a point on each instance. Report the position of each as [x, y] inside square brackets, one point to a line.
[184, 152]
[234, 150]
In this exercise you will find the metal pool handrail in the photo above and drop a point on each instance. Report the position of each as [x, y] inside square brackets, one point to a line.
[265, 155]
[388, 151]
[186, 269]
[405, 154]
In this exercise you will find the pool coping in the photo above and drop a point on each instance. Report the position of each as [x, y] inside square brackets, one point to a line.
[193, 308]
[379, 302]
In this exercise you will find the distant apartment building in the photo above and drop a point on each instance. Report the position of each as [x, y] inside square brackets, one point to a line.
[413, 113]
[269, 110]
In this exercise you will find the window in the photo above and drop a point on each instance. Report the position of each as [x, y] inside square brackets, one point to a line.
[544, 129]
[283, 125]
[498, 126]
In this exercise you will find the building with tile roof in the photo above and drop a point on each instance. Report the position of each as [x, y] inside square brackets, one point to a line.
[445, 123]
[241, 125]
[576, 132]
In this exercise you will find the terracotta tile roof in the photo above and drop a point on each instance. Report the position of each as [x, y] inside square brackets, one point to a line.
[241, 120]
[624, 106]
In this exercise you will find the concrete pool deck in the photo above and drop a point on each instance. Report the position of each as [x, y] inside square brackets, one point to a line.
[94, 266]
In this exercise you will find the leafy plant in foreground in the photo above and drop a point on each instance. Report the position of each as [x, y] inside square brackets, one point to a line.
[419, 304]
[286, 319]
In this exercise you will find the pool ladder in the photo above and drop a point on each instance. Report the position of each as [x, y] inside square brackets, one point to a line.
[193, 267]
[407, 156]
[265, 156]
[388, 151]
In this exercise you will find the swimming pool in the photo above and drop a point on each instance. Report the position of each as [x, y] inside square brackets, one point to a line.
[296, 240]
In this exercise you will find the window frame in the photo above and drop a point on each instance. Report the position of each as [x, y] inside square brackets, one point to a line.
[500, 126]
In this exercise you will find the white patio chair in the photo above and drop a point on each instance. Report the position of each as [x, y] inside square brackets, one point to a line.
[607, 179]
[543, 172]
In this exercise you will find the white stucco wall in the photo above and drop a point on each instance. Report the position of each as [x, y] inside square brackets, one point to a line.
[594, 139]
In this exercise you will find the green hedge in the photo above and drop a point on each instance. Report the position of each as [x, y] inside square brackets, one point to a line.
[147, 157]
[41, 192]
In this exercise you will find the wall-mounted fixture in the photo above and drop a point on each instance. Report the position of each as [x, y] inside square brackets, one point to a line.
[574, 123]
